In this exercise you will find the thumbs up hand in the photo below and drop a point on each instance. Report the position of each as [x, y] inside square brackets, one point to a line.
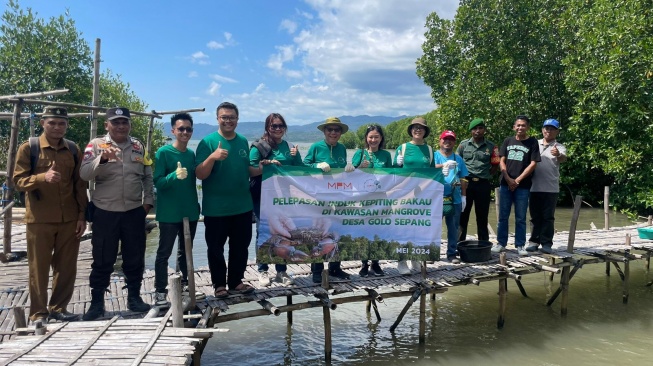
[219, 153]
[182, 173]
[294, 150]
[52, 176]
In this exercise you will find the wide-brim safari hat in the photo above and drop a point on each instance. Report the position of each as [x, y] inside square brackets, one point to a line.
[333, 121]
[419, 121]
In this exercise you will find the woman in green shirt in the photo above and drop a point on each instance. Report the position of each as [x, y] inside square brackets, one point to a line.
[277, 151]
[327, 154]
[373, 156]
[414, 154]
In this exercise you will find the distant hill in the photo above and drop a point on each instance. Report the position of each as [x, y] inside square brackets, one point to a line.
[307, 132]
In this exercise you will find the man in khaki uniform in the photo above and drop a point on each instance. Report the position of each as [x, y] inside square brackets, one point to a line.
[122, 198]
[55, 201]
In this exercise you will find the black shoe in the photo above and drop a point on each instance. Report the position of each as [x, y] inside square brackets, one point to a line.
[64, 316]
[365, 271]
[317, 277]
[136, 304]
[377, 269]
[339, 273]
[94, 312]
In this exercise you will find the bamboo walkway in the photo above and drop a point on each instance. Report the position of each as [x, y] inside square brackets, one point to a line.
[152, 342]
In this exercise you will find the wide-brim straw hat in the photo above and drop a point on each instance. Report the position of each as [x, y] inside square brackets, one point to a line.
[419, 121]
[333, 121]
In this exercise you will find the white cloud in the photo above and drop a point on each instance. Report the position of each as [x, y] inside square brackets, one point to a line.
[222, 79]
[214, 45]
[193, 74]
[259, 87]
[213, 89]
[288, 25]
[227, 36]
[200, 58]
[284, 54]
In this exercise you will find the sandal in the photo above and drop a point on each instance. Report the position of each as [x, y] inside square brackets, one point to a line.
[221, 292]
[242, 289]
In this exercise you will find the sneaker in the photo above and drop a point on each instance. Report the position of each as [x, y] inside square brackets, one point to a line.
[376, 269]
[546, 249]
[160, 299]
[532, 247]
[417, 265]
[284, 278]
[402, 267]
[339, 273]
[453, 260]
[365, 271]
[264, 279]
[521, 251]
[498, 248]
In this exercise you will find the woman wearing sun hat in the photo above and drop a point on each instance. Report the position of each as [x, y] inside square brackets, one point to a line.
[414, 154]
[327, 154]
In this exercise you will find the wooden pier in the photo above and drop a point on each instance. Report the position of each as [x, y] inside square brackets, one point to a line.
[121, 337]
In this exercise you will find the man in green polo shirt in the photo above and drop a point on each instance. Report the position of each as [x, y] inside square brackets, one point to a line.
[479, 156]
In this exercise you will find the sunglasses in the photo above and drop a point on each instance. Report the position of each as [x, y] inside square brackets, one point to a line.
[333, 129]
[418, 128]
[277, 127]
[185, 129]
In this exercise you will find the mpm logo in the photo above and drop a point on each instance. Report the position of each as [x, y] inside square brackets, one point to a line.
[340, 186]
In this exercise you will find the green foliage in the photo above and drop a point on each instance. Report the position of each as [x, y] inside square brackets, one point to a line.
[350, 140]
[585, 63]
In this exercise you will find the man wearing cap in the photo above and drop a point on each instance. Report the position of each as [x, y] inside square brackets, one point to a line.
[122, 198]
[327, 154]
[519, 156]
[222, 162]
[478, 153]
[55, 204]
[545, 188]
[455, 188]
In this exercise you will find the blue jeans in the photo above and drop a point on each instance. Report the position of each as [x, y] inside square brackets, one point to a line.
[452, 230]
[168, 232]
[518, 197]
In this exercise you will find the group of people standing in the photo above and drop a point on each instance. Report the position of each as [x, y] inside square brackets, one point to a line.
[123, 182]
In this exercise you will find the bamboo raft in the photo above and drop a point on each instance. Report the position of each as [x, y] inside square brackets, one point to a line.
[615, 247]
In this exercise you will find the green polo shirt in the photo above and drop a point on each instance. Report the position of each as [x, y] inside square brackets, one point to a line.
[477, 157]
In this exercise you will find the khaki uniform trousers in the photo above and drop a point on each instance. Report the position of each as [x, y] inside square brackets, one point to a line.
[51, 245]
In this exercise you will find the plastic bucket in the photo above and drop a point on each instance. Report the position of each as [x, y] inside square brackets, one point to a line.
[473, 251]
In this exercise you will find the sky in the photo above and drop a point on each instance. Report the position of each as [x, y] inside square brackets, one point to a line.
[305, 59]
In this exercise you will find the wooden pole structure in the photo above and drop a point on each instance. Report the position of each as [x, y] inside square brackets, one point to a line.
[422, 317]
[606, 207]
[626, 277]
[148, 141]
[565, 277]
[96, 89]
[326, 313]
[81, 106]
[289, 303]
[503, 289]
[188, 247]
[175, 301]
[8, 194]
[32, 128]
[42, 94]
[179, 111]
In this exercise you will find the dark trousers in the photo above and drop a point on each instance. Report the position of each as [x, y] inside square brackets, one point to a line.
[542, 206]
[478, 194]
[319, 267]
[168, 232]
[238, 229]
[109, 229]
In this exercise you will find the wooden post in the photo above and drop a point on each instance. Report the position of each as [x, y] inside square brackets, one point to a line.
[32, 128]
[96, 89]
[289, 302]
[496, 202]
[626, 276]
[148, 143]
[188, 247]
[503, 285]
[574, 221]
[175, 301]
[326, 312]
[606, 207]
[8, 195]
[649, 221]
[564, 277]
[422, 318]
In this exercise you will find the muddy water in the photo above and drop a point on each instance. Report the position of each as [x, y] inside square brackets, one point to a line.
[461, 330]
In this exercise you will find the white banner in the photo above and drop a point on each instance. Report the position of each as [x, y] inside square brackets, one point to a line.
[310, 216]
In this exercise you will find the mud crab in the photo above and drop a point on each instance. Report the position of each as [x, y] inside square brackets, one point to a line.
[322, 244]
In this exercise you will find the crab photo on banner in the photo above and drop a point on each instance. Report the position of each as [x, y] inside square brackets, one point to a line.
[310, 216]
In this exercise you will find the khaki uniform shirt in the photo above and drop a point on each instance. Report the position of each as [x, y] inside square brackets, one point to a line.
[477, 157]
[120, 185]
[64, 201]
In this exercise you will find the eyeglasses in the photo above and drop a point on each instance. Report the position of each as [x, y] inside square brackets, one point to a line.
[185, 129]
[228, 118]
[333, 129]
[277, 127]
